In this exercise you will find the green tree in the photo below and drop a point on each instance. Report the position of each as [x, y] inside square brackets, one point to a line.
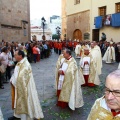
[55, 36]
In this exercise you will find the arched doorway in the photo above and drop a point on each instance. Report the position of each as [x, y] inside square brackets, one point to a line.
[77, 34]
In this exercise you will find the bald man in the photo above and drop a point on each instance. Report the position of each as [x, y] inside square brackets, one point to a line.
[108, 106]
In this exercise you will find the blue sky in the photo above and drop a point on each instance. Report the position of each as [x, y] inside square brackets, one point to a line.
[46, 8]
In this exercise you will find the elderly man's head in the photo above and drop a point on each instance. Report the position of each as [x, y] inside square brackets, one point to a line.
[112, 90]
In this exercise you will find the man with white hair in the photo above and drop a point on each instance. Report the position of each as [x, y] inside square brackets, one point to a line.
[108, 106]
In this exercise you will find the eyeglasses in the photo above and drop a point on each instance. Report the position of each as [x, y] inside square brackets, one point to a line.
[116, 93]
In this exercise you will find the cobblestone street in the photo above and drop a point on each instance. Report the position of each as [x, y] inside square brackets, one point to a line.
[44, 75]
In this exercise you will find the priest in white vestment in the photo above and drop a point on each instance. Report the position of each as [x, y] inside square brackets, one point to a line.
[69, 82]
[59, 63]
[88, 68]
[108, 106]
[109, 56]
[77, 50]
[97, 57]
[25, 101]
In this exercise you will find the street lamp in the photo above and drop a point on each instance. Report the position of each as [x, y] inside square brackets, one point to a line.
[43, 25]
[58, 31]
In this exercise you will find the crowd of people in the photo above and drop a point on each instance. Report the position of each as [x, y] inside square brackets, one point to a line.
[69, 77]
[78, 46]
[34, 51]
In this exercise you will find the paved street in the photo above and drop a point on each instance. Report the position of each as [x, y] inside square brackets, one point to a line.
[44, 75]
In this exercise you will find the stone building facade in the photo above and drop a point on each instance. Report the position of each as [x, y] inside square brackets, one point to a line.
[64, 20]
[15, 20]
[78, 25]
[86, 19]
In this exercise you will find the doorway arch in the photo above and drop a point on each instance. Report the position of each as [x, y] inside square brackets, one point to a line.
[77, 34]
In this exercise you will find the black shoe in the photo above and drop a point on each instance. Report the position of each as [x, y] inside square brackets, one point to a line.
[13, 118]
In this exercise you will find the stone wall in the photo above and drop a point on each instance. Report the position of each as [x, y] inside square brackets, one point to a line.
[79, 21]
[14, 14]
[64, 19]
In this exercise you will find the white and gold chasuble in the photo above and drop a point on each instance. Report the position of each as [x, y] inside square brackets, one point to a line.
[93, 75]
[26, 104]
[100, 111]
[109, 55]
[97, 57]
[71, 88]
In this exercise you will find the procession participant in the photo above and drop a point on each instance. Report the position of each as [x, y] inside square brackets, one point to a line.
[58, 64]
[59, 47]
[60, 58]
[77, 49]
[69, 83]
[87, 66]
[70, 44]
[108, 106]
[75, 43]
[25, 102]
[97, 57]
[109, 56]
[82, 49]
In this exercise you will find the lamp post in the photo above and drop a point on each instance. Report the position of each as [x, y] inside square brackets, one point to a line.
[43, 25]
[58, 31]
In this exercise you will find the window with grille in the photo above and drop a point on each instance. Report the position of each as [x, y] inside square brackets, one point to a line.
[77, 2]
[102, 11]
[118, 7]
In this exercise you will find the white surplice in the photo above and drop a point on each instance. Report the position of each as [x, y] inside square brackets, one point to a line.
[77, 49]
[61, 77]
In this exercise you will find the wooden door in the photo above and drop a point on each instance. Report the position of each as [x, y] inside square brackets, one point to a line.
[77, 34]
[95, 36]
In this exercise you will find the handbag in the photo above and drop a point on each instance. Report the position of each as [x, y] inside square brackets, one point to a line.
[2, 68]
